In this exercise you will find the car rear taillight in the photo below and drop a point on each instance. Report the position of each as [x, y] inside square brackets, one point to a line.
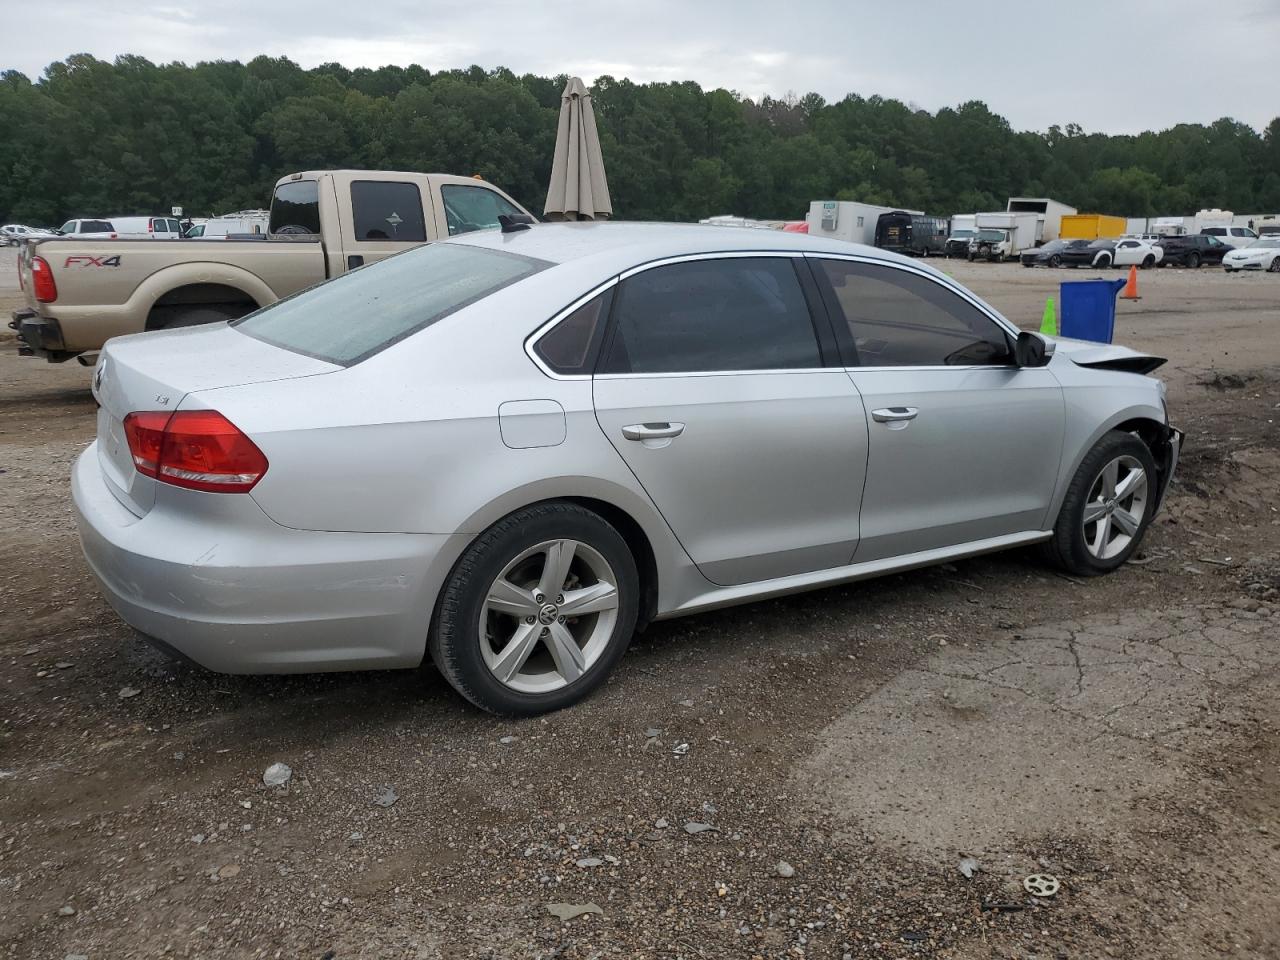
[42, 284]
[196, 449]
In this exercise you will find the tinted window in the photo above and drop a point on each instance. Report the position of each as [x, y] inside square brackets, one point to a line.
[296, 207]
[730, 314]
[387, 211]
[900, 319]
[96, 226]
[469, 208]
[570, 346]
[1214, 231]
[365, 311]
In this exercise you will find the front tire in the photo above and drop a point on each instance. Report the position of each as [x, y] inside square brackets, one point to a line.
[1055, 261]
[537, 611]
[1193, 261]
[1107, 509]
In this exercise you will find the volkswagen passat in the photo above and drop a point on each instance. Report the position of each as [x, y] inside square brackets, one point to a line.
[510, 450]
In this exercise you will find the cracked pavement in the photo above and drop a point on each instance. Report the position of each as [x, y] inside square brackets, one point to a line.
[1057, 727]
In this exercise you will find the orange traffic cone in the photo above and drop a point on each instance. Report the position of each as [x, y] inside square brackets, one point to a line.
[1131, 288]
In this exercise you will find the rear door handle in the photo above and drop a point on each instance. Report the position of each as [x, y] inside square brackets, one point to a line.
[894, 414]
[652, 431]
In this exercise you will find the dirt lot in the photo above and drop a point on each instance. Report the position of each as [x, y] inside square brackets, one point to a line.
[1120, 734]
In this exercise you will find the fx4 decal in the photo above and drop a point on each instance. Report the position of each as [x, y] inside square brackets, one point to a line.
[87, 261]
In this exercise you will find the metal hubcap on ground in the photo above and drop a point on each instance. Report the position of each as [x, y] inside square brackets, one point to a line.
[1116, 505]
[548, 616]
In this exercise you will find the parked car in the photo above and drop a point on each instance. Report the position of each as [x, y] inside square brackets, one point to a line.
[323, 223]
[1113, 253]
[1231, 236]
[14, 233]
[288, 492]
[1262, 254]
[220, 228]
[1050, 255]
[1193, 250]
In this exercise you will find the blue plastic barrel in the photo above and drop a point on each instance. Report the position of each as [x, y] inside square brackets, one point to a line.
[1089, 309]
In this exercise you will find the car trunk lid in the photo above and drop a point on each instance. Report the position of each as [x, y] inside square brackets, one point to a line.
[155, 371]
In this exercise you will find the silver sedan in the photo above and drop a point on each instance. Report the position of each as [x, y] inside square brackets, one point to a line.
[511, 450]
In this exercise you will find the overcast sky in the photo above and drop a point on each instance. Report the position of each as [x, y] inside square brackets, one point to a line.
[1105, 64]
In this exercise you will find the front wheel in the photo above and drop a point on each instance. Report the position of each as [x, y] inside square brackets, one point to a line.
[1104, 262]
[1055, 260]
[1193, 261]
[1107, 509]
[538, 610]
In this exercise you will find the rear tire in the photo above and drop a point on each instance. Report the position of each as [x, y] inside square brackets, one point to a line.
[1193, 261]
[1149, 262]
[178, 315]
[1275, 265]
[1114, 489]
[515, 661]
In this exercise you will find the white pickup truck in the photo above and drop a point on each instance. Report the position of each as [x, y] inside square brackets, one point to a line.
[80, 293]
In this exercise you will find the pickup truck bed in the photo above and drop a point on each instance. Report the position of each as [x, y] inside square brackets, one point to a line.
[326, 222]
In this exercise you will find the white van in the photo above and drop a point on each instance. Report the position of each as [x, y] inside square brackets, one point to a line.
[132, 228]
[153, 228]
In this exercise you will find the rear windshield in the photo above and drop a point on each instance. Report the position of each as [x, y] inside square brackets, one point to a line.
[295, 209]
[357, 315]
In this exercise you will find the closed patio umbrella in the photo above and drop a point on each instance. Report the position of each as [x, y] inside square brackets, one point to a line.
[579, 190]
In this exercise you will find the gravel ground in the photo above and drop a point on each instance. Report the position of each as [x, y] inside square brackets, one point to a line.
[844, 749]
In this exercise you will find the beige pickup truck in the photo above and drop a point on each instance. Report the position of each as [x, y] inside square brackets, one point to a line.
[80, 293]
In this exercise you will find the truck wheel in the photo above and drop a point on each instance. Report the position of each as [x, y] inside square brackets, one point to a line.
[190, 315]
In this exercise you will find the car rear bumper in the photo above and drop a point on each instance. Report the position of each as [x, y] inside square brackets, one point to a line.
[213, 578]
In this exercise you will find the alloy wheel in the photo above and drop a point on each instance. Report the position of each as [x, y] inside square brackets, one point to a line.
[548, 616]
[1115, 507]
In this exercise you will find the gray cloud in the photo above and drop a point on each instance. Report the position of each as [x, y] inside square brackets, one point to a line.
[1104, 65]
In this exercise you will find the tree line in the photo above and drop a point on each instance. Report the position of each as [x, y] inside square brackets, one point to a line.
[91, 138]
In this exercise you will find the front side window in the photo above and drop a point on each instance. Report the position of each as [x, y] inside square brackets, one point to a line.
[295, 208]
[897, 318]
[384, 210]
[745, 313]
[365, 311]
[68, 227]
[468, 208]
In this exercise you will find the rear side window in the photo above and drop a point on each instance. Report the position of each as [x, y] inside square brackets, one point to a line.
[96, 226]
[363, 312]
[469, 208]
[1214, 231]
[295, 209]
[896, 318]
[570, 346]
[387, 211]
[713, 315]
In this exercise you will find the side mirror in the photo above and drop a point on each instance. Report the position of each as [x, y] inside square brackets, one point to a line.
[1031, 350]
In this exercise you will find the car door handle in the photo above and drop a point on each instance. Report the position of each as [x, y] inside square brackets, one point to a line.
[894, 414]
[652, 431]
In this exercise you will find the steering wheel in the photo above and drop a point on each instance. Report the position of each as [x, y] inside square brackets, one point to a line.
[295, 229]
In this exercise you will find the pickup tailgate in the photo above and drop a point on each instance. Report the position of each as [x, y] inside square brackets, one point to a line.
[155, 371]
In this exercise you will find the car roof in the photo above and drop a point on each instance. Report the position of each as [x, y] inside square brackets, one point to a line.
[618, 245]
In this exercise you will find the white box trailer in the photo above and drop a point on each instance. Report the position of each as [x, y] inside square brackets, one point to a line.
[1212, 218]
[847, 220]
[1049, 212]
[1171, 226]
[1003, 236]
